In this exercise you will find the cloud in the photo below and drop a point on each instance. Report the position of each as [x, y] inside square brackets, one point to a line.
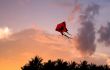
[75, 11]
[86, 38]
[104, 33]
[86, 35]
[105, 57]
[99, 58]
[39, 43]
[5, 32]
[57, 45]
[108, 61]
[28, 43]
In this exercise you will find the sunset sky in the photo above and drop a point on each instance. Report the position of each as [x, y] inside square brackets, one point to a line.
[27, 29]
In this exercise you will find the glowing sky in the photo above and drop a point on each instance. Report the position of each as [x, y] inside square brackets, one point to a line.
[27, 29]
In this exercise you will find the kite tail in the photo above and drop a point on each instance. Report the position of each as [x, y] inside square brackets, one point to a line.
[67, 36]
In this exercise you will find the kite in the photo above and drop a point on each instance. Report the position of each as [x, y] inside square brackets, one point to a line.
[61, 27]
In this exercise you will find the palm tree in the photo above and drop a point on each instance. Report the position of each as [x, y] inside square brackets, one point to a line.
[61, 65]
[37, 64]
[50, 65]
[84, 65]
[34, 64]
[72, 65]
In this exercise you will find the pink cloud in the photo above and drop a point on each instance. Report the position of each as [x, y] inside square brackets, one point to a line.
[28, 43]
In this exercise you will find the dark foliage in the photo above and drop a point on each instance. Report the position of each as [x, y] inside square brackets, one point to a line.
[37, 64]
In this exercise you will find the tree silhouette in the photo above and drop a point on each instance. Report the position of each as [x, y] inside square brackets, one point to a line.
[34, 64]
[49, 65]
[84, 65]
[72, 65]
[37, 64]
[61, 65]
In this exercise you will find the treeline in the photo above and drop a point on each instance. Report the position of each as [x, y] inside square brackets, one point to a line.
[37, 64]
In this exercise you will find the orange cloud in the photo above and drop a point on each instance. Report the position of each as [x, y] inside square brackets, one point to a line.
[30, 42]
[108, 61]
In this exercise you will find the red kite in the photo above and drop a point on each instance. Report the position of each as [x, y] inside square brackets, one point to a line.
[61, 27]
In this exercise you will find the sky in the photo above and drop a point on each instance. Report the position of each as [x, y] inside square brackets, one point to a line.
[27, 29]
